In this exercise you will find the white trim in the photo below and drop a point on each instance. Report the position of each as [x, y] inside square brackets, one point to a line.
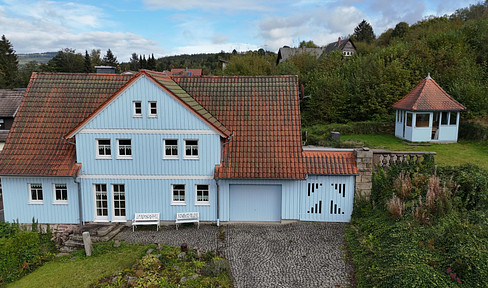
[36, 202]
[202, 203]
[98, 149]
[134, 114]
[171, 157]
[148, 177]
[124, 157]
[118, 218]
[149, 114]
[180, 203]
[191, 157]
[95, 217]
[54, 194]
[148, 131]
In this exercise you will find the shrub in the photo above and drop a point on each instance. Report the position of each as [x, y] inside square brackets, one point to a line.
[395, 206]
[473, 131]
[215, 267]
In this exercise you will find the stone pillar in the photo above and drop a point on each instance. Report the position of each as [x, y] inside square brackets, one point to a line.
[87, 243]
[364, 162]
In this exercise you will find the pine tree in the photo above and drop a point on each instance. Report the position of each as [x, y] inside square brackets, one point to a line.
[151, 63]
[88, 66]
[134, 62]
[8, 64]
[109, 59]
[364, 32]
[143, 62]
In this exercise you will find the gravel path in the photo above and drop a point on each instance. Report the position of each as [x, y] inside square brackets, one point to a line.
[303, 254]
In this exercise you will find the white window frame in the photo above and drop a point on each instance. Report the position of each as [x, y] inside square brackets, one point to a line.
[2, 124]
[202, 202]
[98, 149]
[36, 201]
[118, 149]
[101, 218]
[164, 149]
[134, 109]
[114, 217]
[149, 108]
[185, 147]
[59, 201]
[178, 202]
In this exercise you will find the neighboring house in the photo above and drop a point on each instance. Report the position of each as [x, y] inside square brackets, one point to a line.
[101, 147]
[286, 52]
[9, 103]
[185, 72]
[427, 114]
[346, 46]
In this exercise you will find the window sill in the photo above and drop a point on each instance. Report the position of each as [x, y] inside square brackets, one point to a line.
[178, 203]
[171, 158]
[137, 116]
[103, 158]
[153, 116]
[36, 202]
[60, 203]
[203, 204]
[191, 158]
[124, 158]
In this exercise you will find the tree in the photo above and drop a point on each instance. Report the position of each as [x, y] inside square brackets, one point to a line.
[134, 62]
[151, 63]
[95, 57]
[88, 66]
[67, 60]
[400, 30]
[109, 59]
[308, 44]
[364, 32]
[8, 64]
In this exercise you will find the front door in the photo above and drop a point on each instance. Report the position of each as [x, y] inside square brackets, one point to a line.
[118, 194]
[101, 202]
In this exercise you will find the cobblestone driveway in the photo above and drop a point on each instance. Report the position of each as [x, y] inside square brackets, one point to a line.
[302, 254]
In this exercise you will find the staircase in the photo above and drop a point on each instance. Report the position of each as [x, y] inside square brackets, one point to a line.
[98, 232]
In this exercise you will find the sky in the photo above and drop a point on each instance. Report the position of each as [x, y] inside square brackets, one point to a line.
[173, 27]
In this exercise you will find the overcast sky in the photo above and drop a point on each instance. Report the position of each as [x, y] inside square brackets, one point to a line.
[170, 27]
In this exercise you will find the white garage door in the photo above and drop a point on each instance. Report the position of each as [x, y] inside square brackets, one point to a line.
[255, 202]
[327, 198]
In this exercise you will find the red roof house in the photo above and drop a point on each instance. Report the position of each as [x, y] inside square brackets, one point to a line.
[427, 114]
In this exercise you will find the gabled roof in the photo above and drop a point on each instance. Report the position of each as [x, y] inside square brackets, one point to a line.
[165, 82]
[428, 96]
[285, 52]
[185, 71]
[9, 101]
[264, 114]
[53, 105]
[338, 45]
[319, 162]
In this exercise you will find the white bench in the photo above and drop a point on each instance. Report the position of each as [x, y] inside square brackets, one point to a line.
[188, 217]
[146, 219]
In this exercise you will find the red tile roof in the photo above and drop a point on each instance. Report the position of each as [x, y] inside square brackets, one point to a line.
[10, 101]
[428, 96]
[264, 114]
[319, 162]
[184, 71]
[54, 104]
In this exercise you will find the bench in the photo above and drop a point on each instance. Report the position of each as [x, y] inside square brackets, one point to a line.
[146, 219]
[187, 217]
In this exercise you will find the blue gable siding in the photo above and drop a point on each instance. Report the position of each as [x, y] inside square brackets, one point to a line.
[16, 199]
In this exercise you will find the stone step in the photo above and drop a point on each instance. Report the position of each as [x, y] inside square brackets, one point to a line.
[73, 243]
[66, 249]
[100, 234]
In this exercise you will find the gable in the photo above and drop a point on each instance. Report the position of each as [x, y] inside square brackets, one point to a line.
[119, 112]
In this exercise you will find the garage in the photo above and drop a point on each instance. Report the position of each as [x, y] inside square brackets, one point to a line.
[255, 202]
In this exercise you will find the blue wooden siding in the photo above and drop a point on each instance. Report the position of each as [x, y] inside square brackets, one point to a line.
[147, 155]
[150, 195]
[255, 202]
[290, 196]
[17, 207]
[171, 113]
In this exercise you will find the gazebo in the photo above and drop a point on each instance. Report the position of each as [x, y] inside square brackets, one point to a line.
[427, 114]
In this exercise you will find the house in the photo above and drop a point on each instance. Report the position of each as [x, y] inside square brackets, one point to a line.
[427, 114]
[101, 147]
[346, 46]
[185, 72]
[286, 52]
[9, 103]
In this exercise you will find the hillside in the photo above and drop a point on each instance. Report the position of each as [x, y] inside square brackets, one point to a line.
[41, 58]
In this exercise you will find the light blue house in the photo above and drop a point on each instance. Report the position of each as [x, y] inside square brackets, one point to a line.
[427, 114]
[102, 147]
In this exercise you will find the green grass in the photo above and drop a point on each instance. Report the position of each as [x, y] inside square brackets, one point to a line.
[453, 154]
[82, 271]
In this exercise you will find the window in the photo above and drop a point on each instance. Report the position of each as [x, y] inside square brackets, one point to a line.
[153, 109]
[202, 195]
[101, 201]
[170, 149]
[60, 194]
[422, 120]
[125, 148]
[445, 118]
[137, 109]
[409, 119]
[119, 201]
[103, 149]
[178, 194]
[2, 124]
[453, 118]
[191, 149]
[35, 193]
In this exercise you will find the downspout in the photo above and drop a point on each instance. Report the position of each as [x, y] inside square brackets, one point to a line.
[217, 180]
[80, 205]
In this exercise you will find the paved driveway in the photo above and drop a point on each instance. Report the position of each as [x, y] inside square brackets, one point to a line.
[303, 254]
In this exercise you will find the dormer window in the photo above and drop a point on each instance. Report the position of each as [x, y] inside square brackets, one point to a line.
[153, 109]
[137, 109]
[2, 124]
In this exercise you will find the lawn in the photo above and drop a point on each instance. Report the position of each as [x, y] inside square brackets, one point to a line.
[81, 271]
[453, 154]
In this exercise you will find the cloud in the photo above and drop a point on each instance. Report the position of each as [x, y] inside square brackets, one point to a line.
[220, 38]
[237, 5]
[207, 47]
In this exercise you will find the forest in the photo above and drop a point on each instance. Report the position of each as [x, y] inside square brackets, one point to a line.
[453, 49]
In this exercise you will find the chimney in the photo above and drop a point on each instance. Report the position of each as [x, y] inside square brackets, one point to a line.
[105, 69]
[339, 42]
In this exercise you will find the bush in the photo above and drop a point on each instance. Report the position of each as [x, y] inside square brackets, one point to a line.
[473, 131]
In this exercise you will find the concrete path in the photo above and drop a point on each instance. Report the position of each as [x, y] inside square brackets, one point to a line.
[302, 254]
